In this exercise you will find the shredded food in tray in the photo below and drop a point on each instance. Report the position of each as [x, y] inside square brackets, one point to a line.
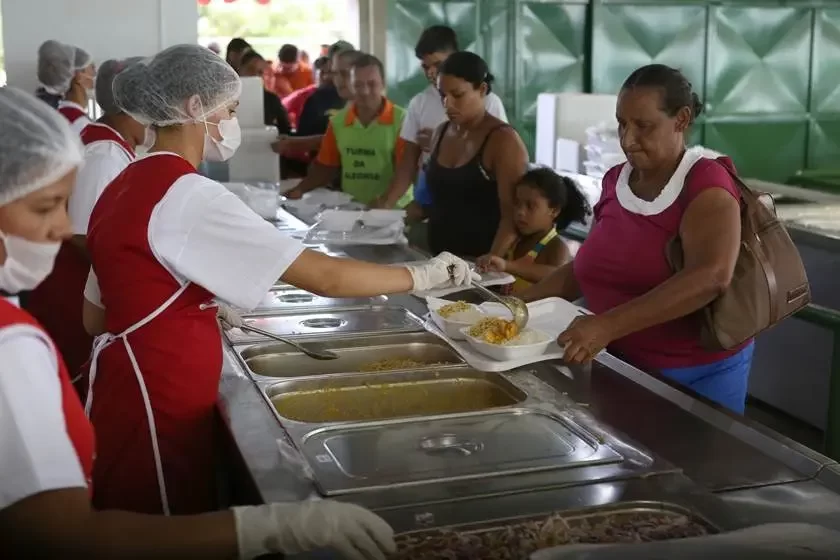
[519, 540]
[494, 330]
[398, 363]
[451, 309]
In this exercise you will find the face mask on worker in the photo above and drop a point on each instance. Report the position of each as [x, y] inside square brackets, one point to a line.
[222, 150]
[27, 263]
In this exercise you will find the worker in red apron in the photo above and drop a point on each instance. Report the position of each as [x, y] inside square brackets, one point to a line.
[47, 445]
[109, 147]
[69, 72]
[166, 244]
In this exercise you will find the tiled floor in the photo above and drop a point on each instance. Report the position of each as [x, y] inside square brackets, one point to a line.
[786, 425]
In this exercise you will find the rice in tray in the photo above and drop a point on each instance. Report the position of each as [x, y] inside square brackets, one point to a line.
[460, 312]
[398, 364]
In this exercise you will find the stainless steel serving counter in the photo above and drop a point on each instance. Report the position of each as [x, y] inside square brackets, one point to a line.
[674, 448]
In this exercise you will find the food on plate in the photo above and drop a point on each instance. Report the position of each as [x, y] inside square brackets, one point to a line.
[494, 330]
[460, 312]
[398, 363]
[518, 541]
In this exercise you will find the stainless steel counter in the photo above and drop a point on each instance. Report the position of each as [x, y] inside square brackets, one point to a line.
[676, 448]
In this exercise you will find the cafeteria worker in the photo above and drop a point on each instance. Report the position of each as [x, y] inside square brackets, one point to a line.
[109, 145]
[644, 312]
[362, 141]
[47, 446]
[68, 72]
[165, 243]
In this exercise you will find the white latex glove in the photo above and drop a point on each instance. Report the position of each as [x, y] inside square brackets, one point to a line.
[443, 270]
[292, 528]
[230, 318]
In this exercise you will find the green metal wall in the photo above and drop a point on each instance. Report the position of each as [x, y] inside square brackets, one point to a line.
[768, 72]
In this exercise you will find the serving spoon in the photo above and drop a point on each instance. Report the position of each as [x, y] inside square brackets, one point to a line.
[515, 305]
[309, 350]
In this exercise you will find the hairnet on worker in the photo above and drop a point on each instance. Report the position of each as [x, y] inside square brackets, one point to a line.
[182, 84]
[37, 147]
[58, 63]
[104, 88]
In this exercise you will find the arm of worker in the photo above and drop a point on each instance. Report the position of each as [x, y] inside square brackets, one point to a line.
[45, 509]
[93, 312]
[507, 158]
[553, 255]
[287, 144]
[560, 283]
[710, 232]
[407, 157]
[323, 170]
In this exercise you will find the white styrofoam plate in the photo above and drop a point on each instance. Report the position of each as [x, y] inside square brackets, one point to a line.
[506, 353]
[551, 316]
[452, 328]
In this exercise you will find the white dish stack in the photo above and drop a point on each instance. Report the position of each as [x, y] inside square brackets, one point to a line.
[254, 161]
[603, 149]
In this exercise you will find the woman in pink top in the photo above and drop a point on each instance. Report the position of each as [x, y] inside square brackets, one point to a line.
[643, 311]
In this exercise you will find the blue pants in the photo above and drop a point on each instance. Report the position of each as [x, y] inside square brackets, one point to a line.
[421, 190]
[724, 382]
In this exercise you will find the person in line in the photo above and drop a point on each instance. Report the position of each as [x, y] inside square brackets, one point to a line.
[235, 50]
[68, 73]
[295, 101]
[47, 444]
[215, 47]
[475, 162]
[644, 312]
[253, 65]
[165, 242]
[110, 144]
[362, 142]
[290, 74]
[545, 203]
[425, 114]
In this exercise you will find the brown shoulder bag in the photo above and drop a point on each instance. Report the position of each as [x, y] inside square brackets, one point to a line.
[769, 282]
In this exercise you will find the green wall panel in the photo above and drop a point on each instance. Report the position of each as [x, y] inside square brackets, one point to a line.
[771, 150]
[406, 20]
[825, 85]
[824, 141]
[758, 60]
[627, 36]
[495, 26]
[550, 57]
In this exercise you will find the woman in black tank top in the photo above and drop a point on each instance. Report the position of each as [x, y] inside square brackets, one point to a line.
[474, 166]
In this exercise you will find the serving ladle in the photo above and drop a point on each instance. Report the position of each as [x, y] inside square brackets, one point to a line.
[515, 305]
[310, 349]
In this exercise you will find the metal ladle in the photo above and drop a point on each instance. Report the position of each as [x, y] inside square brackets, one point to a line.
[309, 350]
[515, 305]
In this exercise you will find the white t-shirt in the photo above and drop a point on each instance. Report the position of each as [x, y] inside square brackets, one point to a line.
[425, 110]
[103, 161]
[36, 454]
[202, 233]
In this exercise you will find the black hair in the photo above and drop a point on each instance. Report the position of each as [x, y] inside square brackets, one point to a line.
[435, 39]
[320, 62]
[249, 56]
[469, 67]
[237, 44]
[676, 90]
[365, 60]
[339, 47]
[560, 192]
[288, 53]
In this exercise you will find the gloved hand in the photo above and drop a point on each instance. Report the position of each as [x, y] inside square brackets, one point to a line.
[440, 271]
[230, 318]
[292, 528]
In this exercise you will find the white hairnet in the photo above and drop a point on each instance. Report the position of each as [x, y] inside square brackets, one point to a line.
[104, 87]
[182, 84]
[37, 146]
[57, 63]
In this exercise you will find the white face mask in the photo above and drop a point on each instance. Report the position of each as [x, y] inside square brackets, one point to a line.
[27, 263]
[222, 150]
[148, 139]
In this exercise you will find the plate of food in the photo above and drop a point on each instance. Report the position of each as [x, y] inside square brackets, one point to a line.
[501, 340]
[453, 317]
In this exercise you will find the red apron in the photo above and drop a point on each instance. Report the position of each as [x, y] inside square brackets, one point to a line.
[154, 378]
[57, 302]
[78, 428]
[71, 112]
